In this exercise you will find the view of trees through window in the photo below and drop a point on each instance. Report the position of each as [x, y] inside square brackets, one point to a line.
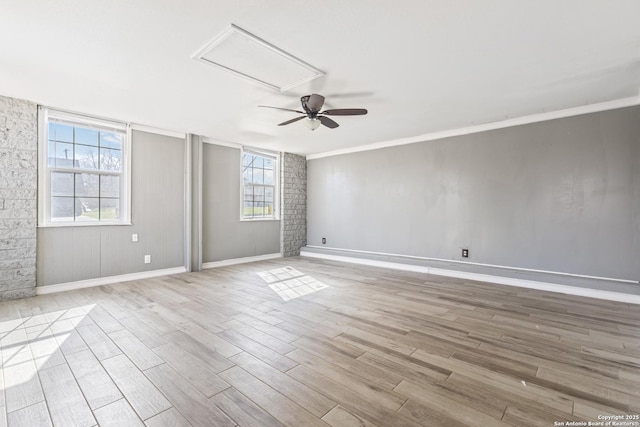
[259, 186]
[85, 164]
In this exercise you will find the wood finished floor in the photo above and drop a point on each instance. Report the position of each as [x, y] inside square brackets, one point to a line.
[376, 348]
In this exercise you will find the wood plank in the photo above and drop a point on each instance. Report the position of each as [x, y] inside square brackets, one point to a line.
[44, 347]
[99, 343]
[514, 385]
[427, 416]
[22, 386]
[136, 351]
[267, 328]
[370, 389]
[308, 398]
[65, 401]
[340, 417]
[331, 353]
[448, 407]
[69, 341]
[95, 383]
[243, 411]
[144, 333]
[195, 348]
[263, 338]
[35, 415]
[256, 349]
[145, 399]
[214, 342]
[283, 409]
[360, 405]
[104, 320]
[193, 370]
[170, 417]
[195, 407]
[117, 414]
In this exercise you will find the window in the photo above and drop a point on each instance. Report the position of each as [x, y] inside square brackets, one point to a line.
[84, 173]
[259, 185]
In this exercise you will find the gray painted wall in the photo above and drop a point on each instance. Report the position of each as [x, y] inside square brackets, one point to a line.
[67, 254]
[18, 184]
[561, 195]
[224, 236]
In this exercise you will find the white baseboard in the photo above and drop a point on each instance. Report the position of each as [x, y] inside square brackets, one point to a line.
[522, 283]
[80, 284]
[243, 260]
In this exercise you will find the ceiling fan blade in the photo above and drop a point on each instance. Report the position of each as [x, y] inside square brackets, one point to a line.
[345, 112]
[288, 122]
[328, 122]
[315, 102]
[283, 109]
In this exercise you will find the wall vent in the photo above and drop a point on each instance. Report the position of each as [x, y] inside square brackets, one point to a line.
[240, 52]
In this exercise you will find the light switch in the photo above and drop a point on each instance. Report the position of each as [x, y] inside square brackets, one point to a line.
[134, 237]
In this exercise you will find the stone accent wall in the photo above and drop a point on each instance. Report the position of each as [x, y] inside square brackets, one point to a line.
[18, 197]
[293, 231]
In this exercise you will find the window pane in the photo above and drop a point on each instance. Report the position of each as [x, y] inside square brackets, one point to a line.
[248, 193]
[258, 162]
[60, 132]
[246, 159]
[62, 208]
[109, 186]
[51, 153]
[268, 194]
[61, 184]
[247, 209]
[259, 209]
[64, 155]
[268, 177]
[109, 209]
[268, 163]
[258, 176]
[111, 140]
[89, 209]
[268, 209]
[258, 194]
[110, 159]
[86, 157]
[86, 136]
[87, 185]
[247, 176]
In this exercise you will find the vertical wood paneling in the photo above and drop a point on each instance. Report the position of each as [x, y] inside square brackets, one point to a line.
[68, 254]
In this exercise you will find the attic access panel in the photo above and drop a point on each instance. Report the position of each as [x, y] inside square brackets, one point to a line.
[242, 53]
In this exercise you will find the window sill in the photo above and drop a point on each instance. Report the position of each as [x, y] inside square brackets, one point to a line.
[258, 219]
[81, 224]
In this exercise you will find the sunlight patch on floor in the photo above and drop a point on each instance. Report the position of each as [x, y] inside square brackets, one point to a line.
[30, 344]
[290, 283]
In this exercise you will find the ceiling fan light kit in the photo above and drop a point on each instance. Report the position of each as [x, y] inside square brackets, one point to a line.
[312, 124]
[312, 106]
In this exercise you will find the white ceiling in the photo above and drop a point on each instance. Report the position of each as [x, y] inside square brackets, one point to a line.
[418, 66]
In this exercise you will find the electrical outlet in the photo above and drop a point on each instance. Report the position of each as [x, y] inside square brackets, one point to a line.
[465, 253]
[147, 259]
[324, 240]
[134, 237]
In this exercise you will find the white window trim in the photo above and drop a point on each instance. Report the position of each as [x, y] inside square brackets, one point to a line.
[44, 182]
[276, 192]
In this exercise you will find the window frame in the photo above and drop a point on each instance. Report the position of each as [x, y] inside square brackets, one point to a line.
[45, 171]
[276, 185]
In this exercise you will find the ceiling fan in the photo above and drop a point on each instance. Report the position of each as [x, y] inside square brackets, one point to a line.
[312, 105]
